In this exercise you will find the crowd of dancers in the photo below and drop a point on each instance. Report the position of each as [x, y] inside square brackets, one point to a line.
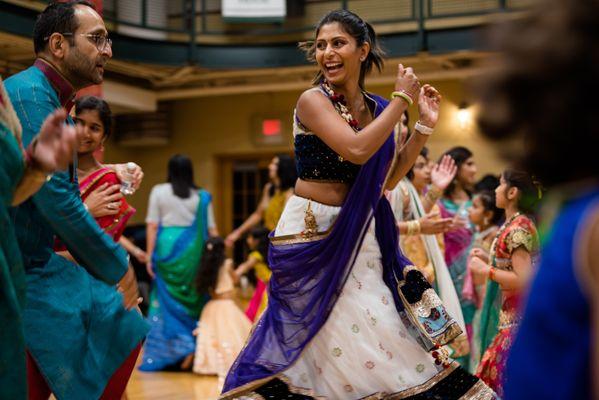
[380, 272]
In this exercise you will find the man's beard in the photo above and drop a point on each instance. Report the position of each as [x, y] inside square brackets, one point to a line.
[82, 70]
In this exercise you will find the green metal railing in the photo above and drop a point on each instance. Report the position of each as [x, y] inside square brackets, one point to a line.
[195, 22]
[203, 17]
[194, 31]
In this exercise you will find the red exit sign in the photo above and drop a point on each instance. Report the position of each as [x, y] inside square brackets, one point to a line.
[271, 127]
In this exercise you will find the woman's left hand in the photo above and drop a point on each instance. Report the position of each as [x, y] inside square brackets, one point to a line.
[121, 172]
[140, 255]
[428, 105]
[150, 269]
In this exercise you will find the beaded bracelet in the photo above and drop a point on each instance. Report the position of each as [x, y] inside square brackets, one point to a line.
[404, 96]
[423, 129]
[492, 274]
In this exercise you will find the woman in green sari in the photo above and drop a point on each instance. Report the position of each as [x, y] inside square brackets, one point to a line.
[22, 173]
[180, 218]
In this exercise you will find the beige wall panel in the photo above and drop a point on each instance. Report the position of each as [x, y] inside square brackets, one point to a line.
[204, 128]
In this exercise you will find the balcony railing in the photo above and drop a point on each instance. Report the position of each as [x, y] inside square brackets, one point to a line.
[195, 32]
[194, 18]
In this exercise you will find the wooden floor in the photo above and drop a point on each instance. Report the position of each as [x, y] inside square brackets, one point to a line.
[171, 386]
[177, 385]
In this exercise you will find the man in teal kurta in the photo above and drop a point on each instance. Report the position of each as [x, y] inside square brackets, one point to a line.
[77, 330]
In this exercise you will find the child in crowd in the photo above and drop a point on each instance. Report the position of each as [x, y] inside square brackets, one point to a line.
[223, 328]
[257, 242]
[485, 217]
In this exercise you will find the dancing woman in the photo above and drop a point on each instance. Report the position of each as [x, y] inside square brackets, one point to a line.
[337, 323]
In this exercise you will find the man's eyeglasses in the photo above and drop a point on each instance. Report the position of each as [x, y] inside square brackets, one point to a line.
[98, 40]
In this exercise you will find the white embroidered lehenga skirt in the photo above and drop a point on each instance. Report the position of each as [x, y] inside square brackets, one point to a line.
[363, 349]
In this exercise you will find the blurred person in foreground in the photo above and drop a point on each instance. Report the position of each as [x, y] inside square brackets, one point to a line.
[22, 173]
[539, 94]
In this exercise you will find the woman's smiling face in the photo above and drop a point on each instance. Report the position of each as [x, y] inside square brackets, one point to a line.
[338, 55]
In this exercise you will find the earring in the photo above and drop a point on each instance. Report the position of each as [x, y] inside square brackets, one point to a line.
[362, 59]
[486, 220]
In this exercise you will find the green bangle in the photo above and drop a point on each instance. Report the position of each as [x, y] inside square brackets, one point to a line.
[404, 96]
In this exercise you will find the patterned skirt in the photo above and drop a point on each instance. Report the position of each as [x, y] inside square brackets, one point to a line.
[364, 350]
[492, 365]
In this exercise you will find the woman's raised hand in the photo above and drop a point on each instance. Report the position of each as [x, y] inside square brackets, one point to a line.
[443, 172]
[428, 105]
[407, 82]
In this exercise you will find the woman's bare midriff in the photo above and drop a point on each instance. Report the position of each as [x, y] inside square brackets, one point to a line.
[332, 194]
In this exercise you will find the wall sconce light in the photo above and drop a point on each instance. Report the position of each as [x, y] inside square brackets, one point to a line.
[464, 115]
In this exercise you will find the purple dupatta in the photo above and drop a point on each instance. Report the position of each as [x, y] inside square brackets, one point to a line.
[307, 278]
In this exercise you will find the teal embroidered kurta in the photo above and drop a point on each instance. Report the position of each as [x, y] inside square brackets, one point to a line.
[76, 327]
[12, 276]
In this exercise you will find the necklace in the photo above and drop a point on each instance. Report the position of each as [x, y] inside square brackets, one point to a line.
[340, 104]
[505, 225]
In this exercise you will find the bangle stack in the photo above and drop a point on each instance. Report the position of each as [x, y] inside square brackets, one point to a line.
[423, 129]
[492, 274]
[413, 227]
[403, 95]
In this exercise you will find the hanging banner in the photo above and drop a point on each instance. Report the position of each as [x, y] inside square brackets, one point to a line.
[254, 10]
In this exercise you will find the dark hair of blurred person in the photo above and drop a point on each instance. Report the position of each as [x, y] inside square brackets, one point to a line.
[539, 92]
[286, 174]
[213, 258]
[487, 182]
[180, 175]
